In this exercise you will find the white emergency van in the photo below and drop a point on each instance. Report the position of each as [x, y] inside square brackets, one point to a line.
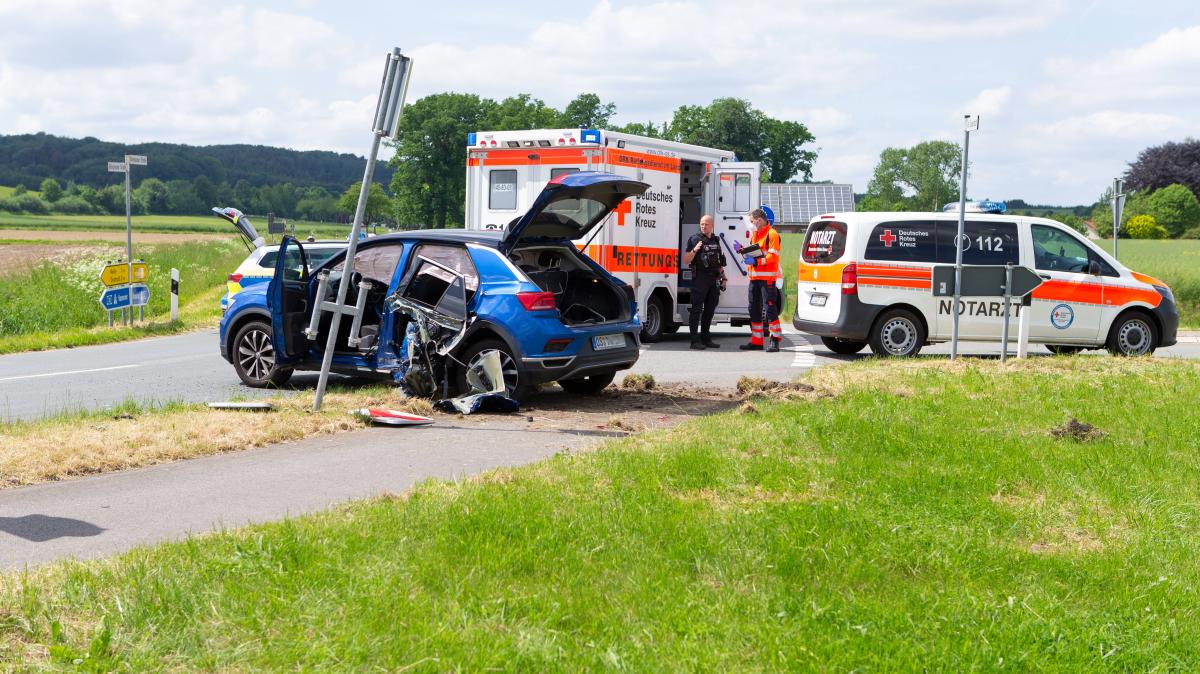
[866, 279]
[641, 243]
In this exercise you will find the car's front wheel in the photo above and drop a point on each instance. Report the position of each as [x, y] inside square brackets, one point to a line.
[588, 385]
[1133, 334]
[253, 353]
[474, 354]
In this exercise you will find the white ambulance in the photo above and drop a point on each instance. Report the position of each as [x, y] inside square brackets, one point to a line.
[641, 243]
[866, 279]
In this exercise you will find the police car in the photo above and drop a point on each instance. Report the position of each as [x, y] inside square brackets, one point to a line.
[866, 279]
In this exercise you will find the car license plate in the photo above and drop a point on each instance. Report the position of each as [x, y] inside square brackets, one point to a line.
[818, 300]
[602, 342]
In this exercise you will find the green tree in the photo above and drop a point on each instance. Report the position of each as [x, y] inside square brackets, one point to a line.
[182, 198]
[152, 195]
[19, 190]
[521, 112]
[1174, 207]
[734, 124]
[1073, 221]
[51, 190]
[1145, 227]
[379, 204]
[243, 194]
[922, 177]
[429, 182]
[648, 129]
[112, 199]
[785, 156]
[587, 112]
[1135, 204]
[206, 192]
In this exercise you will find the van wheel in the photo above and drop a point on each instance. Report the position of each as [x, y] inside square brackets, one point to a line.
[514, 387]
[671, 328]
[587, 385]
[897, 333]
[1064, 349]
[845, 347]
[653, 321]
[254, 356]
[1133, 334]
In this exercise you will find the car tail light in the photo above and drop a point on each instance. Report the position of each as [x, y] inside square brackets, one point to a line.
[537, 301]
[235, 278]
[557, 345]
[850, 279]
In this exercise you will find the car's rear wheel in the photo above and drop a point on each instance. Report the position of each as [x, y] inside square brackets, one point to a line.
[1064, 349]
[1133, 334]
[253, 354]
[843, 346]
[588, 385]
[653, 321]
[514, 387]
[897, 333]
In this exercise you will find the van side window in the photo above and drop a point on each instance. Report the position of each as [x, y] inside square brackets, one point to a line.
[1056, 250]
[986, 242]
[903, 241]
[825, 241]
[502, 190]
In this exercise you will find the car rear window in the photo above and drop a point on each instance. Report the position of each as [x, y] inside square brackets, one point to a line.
[825, 241]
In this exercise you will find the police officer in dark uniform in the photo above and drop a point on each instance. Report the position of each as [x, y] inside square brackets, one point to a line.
[703, 254]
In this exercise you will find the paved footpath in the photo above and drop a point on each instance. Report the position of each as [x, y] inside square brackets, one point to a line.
[95, 516]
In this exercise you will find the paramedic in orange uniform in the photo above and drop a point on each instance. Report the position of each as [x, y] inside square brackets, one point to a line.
[765, 297]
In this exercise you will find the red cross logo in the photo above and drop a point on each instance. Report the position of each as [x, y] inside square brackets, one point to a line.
[887, 238]
[623, 210]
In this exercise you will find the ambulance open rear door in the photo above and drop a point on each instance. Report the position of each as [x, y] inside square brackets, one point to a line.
[733, 193]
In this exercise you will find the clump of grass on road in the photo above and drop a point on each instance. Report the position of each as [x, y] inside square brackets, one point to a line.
[923, 518]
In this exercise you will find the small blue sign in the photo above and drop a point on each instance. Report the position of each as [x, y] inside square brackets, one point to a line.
[1062, 316]
[118, 298]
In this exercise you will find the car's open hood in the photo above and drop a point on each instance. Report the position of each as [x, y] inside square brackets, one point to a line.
[570, 205]
[242, 223]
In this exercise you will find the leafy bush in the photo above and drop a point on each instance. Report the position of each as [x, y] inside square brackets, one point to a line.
[1175, 208]
[30, 203]
[10, 204]
[75, 205]
[1145, 227]
[1074, 222]
[1193, 233]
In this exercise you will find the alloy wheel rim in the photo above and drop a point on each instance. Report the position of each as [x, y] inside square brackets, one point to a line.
[256, 355]
[899, 336]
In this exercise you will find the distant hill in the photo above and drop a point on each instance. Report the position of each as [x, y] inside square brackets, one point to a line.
[28, 159]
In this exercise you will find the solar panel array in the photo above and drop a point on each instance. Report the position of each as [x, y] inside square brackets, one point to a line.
[797, 203]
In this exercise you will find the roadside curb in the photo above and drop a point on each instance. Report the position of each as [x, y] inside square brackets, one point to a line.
[1188, 336]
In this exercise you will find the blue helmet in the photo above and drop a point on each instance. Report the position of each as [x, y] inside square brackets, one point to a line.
[770, 214]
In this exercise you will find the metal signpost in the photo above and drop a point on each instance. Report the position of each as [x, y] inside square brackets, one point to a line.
[1118, 206]
[392, 89]
[970, 123]
[989, 281]
[124, 167]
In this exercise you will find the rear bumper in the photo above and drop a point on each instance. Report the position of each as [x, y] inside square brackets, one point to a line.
[853, 323]
[587, 361]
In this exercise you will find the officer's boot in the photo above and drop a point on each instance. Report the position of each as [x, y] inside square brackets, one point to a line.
[772, 345]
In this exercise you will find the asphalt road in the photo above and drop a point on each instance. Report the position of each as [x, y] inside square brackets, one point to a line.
[189, 368]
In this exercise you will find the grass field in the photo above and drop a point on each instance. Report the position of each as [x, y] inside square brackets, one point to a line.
[918, 516]
[161, 223]
[6, 192]
[1177, 263]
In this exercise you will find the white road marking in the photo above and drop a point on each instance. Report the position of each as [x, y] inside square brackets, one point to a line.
[59, 374]
[803, 350]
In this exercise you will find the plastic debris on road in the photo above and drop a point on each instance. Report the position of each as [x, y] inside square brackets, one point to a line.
[378, 415]
[247, 406]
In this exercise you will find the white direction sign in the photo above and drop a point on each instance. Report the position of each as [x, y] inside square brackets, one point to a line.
[135, 159]
[117, 167]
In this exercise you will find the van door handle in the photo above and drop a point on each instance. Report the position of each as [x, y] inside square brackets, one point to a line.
[1045, 276]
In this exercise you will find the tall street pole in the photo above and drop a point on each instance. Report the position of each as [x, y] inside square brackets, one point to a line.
[970, 123]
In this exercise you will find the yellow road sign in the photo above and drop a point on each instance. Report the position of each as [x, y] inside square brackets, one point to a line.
[117, 274]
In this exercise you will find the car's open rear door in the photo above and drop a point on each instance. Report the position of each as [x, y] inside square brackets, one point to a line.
[288, 300]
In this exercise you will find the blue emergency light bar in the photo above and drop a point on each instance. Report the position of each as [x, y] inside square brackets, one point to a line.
[984, 206]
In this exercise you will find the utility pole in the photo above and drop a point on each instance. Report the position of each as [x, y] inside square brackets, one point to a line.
[970, 123]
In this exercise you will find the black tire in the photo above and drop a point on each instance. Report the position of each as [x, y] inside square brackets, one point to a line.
[654, 320]
[514, 387]
[1064, 349]
[1133, 334]
[897, 333]
[843, 346]
[671, 328]
[588, 385]
[253, 355]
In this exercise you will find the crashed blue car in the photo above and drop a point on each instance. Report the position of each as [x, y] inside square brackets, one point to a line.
[440, 302]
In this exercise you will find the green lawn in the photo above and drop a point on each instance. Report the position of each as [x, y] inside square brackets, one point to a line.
[183, 224]
[922, 518]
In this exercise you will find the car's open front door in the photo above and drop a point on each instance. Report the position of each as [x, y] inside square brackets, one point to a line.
[734, 192]
[288, 300]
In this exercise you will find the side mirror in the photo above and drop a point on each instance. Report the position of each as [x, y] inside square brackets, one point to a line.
[1094, 268]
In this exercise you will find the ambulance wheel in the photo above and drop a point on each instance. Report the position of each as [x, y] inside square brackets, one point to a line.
[254, 356]
[653, 321]
[897, 333]
[587, 385]
[843, 346]
[671, 328]
[1064, 349]
[1133, 334]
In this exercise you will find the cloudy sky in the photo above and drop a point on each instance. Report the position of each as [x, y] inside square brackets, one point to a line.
[1069, 92]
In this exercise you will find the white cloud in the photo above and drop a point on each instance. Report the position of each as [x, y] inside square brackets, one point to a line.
[988, 104]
